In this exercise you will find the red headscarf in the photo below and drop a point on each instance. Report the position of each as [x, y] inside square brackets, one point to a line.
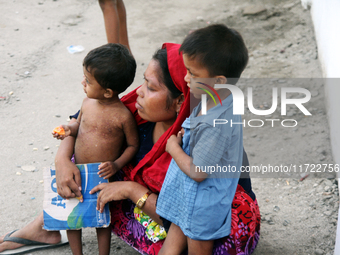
[151, 170]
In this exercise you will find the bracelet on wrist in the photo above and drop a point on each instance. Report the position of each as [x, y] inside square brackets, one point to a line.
[140, 203]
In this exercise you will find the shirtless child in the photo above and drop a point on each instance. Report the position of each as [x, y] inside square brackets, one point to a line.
[104, 125]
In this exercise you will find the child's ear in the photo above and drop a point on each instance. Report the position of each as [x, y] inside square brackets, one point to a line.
[108, 93]
[221, 79]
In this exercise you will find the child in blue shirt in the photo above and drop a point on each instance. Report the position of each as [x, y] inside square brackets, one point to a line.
[198, 202]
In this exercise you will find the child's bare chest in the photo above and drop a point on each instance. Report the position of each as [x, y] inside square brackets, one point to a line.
[100, 124]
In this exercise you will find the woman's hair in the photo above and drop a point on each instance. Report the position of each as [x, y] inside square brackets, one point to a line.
[161, 57]
[112, 66]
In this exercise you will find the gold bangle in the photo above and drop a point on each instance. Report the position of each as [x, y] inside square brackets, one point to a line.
[140, 203]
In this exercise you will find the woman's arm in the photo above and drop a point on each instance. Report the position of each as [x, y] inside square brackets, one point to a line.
[120, 190]
[136, 192]
[67, 174]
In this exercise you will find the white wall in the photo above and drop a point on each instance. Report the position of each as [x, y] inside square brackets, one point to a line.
[326, 18]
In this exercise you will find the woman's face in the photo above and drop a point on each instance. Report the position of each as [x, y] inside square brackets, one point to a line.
[153, 95]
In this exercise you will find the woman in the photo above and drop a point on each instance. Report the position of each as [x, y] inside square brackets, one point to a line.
[159, 109]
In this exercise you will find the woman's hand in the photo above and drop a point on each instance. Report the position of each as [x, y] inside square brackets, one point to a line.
[120, 190]
[107, 169]
[112, 191]
[68, 178]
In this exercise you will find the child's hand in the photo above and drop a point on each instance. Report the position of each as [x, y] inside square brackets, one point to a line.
[174, 141]
[182, 131]
[61, 132]
[107, 169]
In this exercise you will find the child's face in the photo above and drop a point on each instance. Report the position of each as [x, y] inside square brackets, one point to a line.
[196, 70]
[91, 86]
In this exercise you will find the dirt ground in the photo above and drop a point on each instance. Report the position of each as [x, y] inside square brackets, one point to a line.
[40, 87]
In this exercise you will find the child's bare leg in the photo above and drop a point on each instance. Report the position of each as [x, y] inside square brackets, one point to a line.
[196, 247]
[74, 238]
[34, 232]
[104, 240]
[175, 241]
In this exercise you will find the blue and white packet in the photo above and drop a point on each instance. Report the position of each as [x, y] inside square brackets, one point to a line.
[63, 214]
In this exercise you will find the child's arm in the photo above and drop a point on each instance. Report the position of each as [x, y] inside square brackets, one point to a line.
[183, 160]
[107, 169]
[67, 130]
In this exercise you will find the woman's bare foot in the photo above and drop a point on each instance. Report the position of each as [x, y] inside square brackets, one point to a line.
[32, 231]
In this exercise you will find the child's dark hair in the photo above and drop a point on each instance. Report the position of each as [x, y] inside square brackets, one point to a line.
[161, 57]
[221, 50]
[112, 65]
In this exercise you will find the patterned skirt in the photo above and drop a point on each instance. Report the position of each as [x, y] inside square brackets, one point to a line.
[244, 236]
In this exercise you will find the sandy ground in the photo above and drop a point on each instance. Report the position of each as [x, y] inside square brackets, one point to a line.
[40, 87]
